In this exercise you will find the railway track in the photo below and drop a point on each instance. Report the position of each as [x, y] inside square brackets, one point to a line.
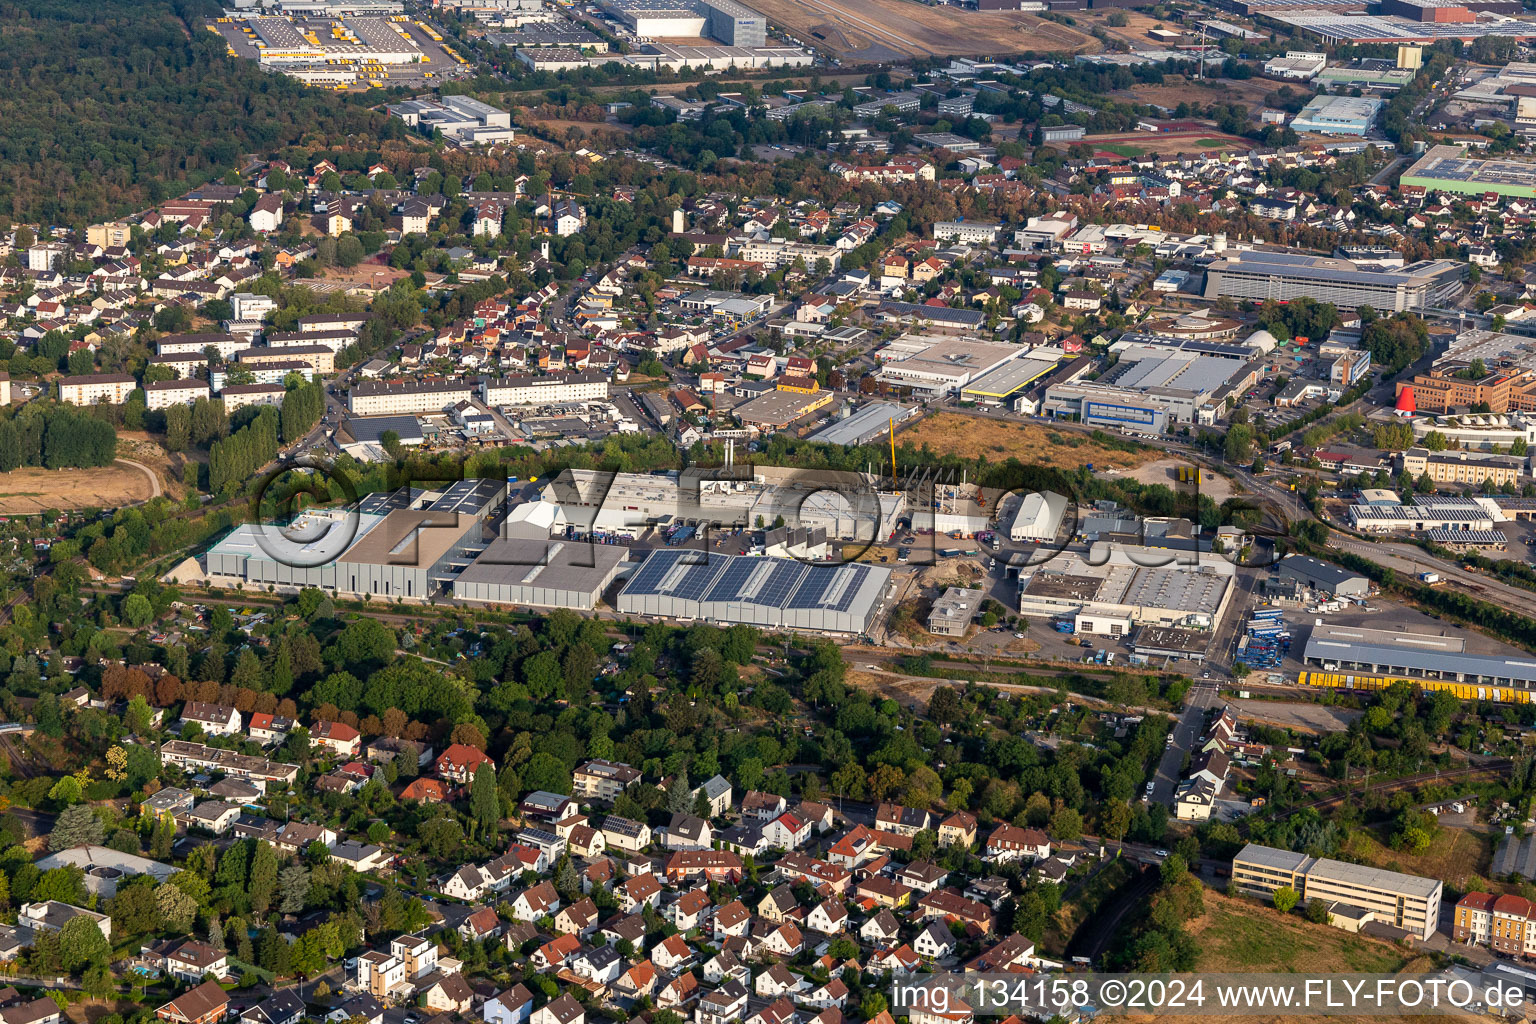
[16, 757]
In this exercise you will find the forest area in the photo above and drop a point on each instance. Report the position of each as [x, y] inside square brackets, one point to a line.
[111, 106]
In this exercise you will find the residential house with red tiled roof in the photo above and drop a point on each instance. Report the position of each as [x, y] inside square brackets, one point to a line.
[460, 762]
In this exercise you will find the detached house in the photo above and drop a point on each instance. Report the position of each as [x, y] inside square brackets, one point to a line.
[672, 954]
[686, 832]
[1010, 842]
[337, 737]
[482, 924]
[732, 920]
[191, 961]
[205, 1004]
[539, 901]
[725, 1005]
[514, 1006]
[639, 892]
[786, 831]
[831, 996]
[688, 911]
[268, 729]
[934, 941]
[959, 829]
[903, 821]
[460, 762]
[638, 982]
[580, 918]
[881, 929]
[561, 1010]
[829, 917]
[214, 719]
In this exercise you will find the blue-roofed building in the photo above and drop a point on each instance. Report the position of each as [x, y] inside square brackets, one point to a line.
[774, 593]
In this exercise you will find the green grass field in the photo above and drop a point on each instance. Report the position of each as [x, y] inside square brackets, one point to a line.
[1212, 143]
[1123, 149]
[1240, 935]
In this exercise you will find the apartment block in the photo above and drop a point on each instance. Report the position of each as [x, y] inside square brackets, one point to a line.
[226, 345]
[602, 780]
[406, 397]
[163, 394]
[1402, 901]
[418, 954]
[380, 975]
[90, 388]
[526, 390]
[1506, 924]
[321, 357]
[109, 234]
[1446, 389]
[1457, 467]
[238, 396]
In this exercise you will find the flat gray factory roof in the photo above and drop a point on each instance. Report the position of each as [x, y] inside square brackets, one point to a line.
[1176, 589]
[1171, 638]
[1492, 669]
[552, 565]
[1391, 638]
[1011, 376]
[1316, 569]
[1324, 268]
[873, 417]
[1198, 374]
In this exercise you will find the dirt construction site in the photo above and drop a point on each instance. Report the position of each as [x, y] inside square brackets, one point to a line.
[889, 30]
[972, 437]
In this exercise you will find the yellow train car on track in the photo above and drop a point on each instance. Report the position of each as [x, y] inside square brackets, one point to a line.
[1465, 691]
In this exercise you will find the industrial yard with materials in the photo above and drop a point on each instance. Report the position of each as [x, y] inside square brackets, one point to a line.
[341, 51]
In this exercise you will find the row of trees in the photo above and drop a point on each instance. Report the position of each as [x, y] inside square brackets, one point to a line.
[55, 436]
[302, 408]
[241, 456]
[202, 423]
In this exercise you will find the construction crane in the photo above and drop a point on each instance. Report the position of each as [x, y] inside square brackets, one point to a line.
[891, 423]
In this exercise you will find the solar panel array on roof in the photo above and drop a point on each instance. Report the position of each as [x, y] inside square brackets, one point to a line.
[380, 502]
[770, 592]
[472, 497]
[1475, 538]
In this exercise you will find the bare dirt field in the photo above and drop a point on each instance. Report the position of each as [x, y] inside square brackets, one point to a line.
[974, 437]
[1134, 144]
[24, 491]
[886, 30]
[1164, 471]
[367, 273]
[1134, 31]
[1313, 718]
[1176, 89]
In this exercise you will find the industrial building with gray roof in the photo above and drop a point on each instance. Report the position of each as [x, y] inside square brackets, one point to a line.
[1421, 655]
[776, 593]
[542, 574]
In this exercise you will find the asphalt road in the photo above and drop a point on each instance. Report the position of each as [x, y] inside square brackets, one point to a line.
[1186, 731]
